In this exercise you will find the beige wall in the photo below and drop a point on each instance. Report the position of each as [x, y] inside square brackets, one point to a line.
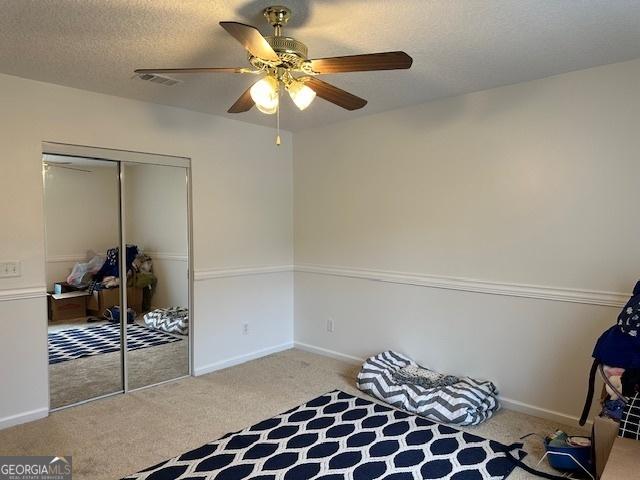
[81, 211]
[529, 184]
[241, 218]
[156, 221]
[517, 203]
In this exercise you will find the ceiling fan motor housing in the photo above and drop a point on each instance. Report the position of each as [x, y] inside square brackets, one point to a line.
[291, 52]
[287, 46]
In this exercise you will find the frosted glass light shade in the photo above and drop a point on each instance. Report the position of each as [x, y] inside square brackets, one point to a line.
[301, 95]
[265, 95]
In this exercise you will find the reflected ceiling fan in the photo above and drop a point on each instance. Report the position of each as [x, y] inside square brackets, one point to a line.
[65, 165]
[282, 61]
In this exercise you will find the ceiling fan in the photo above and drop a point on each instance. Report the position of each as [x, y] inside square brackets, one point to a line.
[282, 61]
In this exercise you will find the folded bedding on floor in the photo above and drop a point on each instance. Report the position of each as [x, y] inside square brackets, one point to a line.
[172, 320]
[465, 402]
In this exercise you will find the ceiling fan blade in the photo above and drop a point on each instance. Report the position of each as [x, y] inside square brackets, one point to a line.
[142, 71]
[334, 94]
[244, 103]
[251, 39]
[362, 63]
[58, 165]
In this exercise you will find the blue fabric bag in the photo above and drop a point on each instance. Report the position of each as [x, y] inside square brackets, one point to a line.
[113, 315]
[619, 346]
[111, 267]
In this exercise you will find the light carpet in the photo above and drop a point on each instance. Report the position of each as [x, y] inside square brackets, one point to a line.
[77, 380]
[114, 437]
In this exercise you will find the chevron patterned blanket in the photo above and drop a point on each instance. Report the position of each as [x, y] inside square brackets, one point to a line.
[172, 320]
[467, 402]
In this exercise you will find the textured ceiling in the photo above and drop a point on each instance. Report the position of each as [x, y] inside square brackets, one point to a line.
[458, 46]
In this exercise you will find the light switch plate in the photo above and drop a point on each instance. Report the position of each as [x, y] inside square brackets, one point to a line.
[9, 269]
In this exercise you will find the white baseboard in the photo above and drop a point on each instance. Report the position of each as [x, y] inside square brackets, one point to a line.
[24, 417]
[508, 403]
[230, 362]
[329, 353]
[540, 412]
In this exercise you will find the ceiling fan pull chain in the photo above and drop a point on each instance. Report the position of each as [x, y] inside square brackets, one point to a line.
[278, 120]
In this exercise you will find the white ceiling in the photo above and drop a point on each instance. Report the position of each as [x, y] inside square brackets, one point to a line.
[458, 46]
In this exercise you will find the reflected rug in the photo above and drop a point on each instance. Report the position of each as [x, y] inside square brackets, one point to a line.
[73, 343]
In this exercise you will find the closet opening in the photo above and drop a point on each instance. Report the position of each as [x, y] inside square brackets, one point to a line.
[118, 271]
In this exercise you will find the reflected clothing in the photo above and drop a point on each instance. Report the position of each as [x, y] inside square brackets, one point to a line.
[147, 281]
[111, 265]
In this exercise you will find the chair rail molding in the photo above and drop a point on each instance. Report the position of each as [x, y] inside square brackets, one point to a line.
[178, 257]
[240, 271]
[589, 297]
[67, 258]
[82, 257]
[22, 293]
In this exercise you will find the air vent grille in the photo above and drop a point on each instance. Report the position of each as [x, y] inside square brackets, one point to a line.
[162, 80]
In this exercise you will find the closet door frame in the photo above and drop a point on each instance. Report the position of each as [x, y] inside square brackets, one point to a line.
[123, 157]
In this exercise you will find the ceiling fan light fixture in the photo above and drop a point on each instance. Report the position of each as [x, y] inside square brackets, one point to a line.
[301, 95]
[265, 94]
[280, 59]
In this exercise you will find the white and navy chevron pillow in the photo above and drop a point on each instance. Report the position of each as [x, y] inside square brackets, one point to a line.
[171, 320]
[467, 402]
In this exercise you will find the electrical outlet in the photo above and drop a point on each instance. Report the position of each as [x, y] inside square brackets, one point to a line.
[10, 269]
[330, 325]
[245, 329]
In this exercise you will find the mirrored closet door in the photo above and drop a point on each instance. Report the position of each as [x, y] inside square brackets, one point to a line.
[82, 224]
[155, 211]
[94, 210]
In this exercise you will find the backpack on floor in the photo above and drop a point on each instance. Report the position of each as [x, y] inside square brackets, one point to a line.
[113, 315]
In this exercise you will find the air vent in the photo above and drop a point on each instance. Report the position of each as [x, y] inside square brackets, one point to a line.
[162, 80]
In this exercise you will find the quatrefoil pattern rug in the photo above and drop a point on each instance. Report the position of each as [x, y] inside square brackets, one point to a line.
[340, 437]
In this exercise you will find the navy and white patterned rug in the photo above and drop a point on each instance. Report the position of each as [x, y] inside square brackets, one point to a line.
[340, 437]
[75, 343]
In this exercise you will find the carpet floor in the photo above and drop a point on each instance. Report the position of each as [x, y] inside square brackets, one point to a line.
[77, 380]
[84, 378]
[113, 437]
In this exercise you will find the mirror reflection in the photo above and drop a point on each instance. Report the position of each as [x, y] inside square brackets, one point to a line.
[82, 221]
[87, 205]
[155, 200]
